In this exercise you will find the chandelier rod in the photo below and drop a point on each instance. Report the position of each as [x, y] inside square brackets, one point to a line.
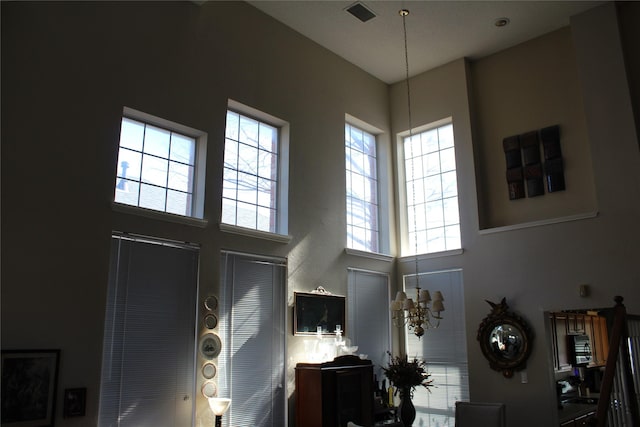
[404, 13]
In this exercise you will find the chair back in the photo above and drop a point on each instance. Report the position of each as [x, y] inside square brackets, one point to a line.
[480, 414]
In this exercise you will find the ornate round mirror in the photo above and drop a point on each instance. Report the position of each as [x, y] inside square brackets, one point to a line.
[505, 339]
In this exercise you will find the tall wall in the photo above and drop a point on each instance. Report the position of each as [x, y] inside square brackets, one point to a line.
[69, 68]
[536, 252]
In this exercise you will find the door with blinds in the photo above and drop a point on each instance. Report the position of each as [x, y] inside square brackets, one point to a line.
[252, 327]
[148, 376]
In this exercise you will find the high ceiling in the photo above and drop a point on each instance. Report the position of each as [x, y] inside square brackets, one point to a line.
[437, 31]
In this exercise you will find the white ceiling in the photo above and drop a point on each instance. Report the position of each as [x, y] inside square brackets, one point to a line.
[437, 31]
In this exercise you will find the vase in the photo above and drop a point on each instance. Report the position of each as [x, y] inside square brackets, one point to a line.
[406, 409]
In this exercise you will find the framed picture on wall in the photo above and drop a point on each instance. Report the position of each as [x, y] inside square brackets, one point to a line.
[29, 382]
[75, 400]
[318, 310]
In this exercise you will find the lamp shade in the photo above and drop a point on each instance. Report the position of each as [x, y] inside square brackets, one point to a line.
[396, 305]
[408, 304]
[401, 296]
[424, 296]
[219, 405]
[438, 306]
[437, 296]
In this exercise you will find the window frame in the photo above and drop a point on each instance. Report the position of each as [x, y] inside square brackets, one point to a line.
[370, 204]
[199, 175]
[282, 180]
[403, 197]
[383, 166]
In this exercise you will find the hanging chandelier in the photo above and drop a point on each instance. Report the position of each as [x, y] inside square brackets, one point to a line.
[418, 315]
[423, 312]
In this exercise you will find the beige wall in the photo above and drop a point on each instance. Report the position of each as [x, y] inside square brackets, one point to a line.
[628, 14]
[525, 88]
[69, 68]
[537, 266]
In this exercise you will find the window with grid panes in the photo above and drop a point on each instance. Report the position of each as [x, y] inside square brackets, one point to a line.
[433, 219]
[250, 188]
[362, 190]
[160, 165]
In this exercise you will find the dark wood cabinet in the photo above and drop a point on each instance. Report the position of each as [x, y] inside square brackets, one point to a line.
[597, 330]
[575, 324]
[560, 351]
[333, 393]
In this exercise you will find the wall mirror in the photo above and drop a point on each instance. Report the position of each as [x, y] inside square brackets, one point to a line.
[505, 339]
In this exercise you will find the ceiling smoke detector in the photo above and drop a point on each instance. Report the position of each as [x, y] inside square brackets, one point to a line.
[360, 11]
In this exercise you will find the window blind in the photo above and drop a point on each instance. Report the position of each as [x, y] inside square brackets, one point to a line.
[444, 349]
[252, 328]
[148, 376]
[369, 316]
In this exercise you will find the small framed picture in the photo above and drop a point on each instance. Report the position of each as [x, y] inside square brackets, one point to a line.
[75, 400]
[29, 382]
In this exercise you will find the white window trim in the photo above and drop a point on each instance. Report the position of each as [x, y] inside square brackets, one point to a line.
[382, 160]
[402, 191]
[420, 257]
[258, 234]
[158, 215]
[372, 255]
[282, 203]
[197, 218]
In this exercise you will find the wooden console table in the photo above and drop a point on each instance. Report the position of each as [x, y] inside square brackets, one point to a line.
[333, 393]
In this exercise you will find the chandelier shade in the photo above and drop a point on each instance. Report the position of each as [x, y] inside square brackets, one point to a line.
[418, 316]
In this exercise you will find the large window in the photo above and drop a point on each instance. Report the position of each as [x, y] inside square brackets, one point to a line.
[160, 165]
[432, 216]
[362, 190]
[444, 349]
[251, 193]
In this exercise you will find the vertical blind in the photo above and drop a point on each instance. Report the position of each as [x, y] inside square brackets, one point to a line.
[252, 328]
[148, 374]
[369, 316]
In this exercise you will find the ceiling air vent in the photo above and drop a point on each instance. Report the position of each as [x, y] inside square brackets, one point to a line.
[360, 11]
